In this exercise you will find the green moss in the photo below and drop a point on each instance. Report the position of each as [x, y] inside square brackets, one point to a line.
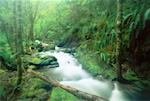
[29, 59]
[88, 63]
[35, 89]
[61, 95]
[93, 64]
[6, 84]
[2, 71]
[36, 60]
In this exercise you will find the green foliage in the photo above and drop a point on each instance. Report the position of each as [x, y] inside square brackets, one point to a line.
[34, 88]
[130, 75]
[94, 65]
[88, 22]
[89, 62]
[5, 51]
[104, 56]
[2, 90]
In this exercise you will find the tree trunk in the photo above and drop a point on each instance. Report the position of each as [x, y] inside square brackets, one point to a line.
[31, 33]
[119, 37]
[15, 26]
[19, 69]
[20, 27]
[75, 92]
[19, 42]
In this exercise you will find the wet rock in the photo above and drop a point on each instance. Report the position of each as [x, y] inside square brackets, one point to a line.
[51, 46]
[66, 50]
[40, 62]
[41, 46]
[99, 77]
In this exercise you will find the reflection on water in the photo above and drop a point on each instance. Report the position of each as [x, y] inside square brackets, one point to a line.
[70, 73]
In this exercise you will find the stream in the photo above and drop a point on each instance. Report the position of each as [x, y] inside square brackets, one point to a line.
[70, 73]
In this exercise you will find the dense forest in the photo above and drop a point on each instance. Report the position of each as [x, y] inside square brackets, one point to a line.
[74, 50]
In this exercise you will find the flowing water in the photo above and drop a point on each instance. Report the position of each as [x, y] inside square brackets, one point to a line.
[70, 73]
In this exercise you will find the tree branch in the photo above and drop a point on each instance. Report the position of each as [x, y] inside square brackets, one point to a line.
[69, 89]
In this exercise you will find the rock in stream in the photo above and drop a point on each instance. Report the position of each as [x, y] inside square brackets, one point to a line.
[37, 62]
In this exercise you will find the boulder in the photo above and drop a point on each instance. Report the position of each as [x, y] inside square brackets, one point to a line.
[45, 47]
[66, 50]
[50, 46]
[39, 62]
[41, 46]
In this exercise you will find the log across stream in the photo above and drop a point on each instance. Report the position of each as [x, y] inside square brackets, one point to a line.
[70, 73]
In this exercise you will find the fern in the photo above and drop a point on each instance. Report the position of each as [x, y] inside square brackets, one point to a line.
[104, 56]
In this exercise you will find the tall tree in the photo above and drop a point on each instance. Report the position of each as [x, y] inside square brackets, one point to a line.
[19, 41]
[119, 32]
[33, 10]
[15, 26]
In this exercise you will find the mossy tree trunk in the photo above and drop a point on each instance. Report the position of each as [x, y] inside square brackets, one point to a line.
[119, 33]
[15, 26]
[32, 18]
[19, 41]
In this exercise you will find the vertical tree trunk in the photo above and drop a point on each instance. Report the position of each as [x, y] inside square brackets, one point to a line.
[20, 27]
[33, 11]
[31, 33]
[19, 42]
[14, 28]
[119, 37]
[32, 17]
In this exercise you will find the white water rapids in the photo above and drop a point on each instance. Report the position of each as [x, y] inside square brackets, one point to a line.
[70, 73]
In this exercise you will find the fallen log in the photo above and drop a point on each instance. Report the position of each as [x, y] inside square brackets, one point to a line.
[73, 91]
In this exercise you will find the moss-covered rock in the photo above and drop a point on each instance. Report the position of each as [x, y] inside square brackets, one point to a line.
[40, 62]
[41, 46]
[35, 60]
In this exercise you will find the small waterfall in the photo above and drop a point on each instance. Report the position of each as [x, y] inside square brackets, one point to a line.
[71, 73]
[69, 67]
[117, 95]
